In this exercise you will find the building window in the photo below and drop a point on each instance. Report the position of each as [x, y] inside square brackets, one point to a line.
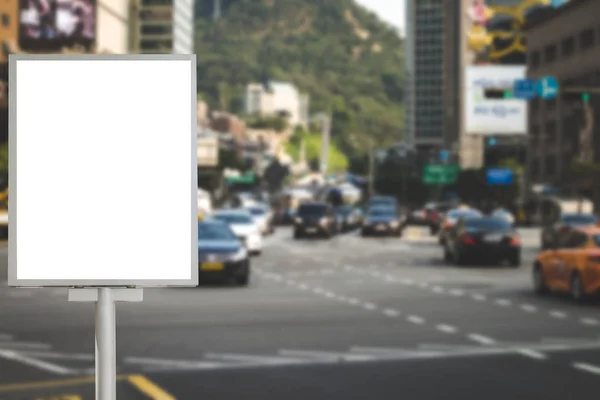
[550, 169]
[156, 44]
[157, 29]
[5, 19]
[568, 46]
[157, 2]
[587, 39]
[550, 53]
[535, 59]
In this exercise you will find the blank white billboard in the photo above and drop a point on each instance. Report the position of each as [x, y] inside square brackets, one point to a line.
[493, 116]
[102, 170]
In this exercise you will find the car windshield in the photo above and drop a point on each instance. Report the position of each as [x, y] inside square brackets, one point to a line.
[257, 211]
[381, 212]
[488, 224]
[240, 219]
[312, 209]
[381, 200]
[343, 210]
[579, 219]
[214, 231]
[463, 213]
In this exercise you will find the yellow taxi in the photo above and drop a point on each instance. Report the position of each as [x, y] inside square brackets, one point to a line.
[572, 265]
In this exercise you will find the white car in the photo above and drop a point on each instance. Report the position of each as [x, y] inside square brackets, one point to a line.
[244, 227]
[262, 217]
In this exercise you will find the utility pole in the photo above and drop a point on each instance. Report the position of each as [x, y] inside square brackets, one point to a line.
[325, 135]
[216, 10]
[371, 168]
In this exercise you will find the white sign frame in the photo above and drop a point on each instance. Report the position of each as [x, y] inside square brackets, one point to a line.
[180, 279]
[495, 77]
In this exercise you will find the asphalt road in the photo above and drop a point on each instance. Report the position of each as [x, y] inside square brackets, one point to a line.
[348, 318]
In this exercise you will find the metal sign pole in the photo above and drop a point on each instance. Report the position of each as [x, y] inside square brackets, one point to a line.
[106, 337]
[106, 358]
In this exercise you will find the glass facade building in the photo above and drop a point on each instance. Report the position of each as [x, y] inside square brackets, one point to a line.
[166, 27]
[425, 72]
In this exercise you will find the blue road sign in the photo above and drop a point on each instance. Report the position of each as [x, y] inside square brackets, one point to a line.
[524, 89]
[499, 176]
[547, 88]
[444, 155]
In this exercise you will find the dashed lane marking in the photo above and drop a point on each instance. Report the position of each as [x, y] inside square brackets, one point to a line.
[587, 368]
[481, 339]
[532, 354]
[478, 297]
[391, 313]
[33, 362]
[589, 321]
[446, 328]
[369, 306]
[503, 302]
[558, 314]
[457, 292]
[415, 319]
[528, 308]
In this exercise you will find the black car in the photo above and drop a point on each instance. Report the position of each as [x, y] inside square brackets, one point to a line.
[349, 217]
[221, 254]
[382, 221]
[483, 239]
[314, 219]
[552, 233]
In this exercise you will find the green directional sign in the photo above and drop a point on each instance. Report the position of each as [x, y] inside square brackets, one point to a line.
[439, 174]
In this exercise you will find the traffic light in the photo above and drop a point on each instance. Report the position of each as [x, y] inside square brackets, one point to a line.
[497, 94]
[585, 97]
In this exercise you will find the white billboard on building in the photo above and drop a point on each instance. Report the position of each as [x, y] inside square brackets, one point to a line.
[485, 116]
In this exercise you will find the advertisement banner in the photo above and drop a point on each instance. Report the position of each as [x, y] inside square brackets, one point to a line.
[47, 26]
[484, 116]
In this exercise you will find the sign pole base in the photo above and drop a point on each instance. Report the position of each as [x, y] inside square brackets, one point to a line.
[106, 328]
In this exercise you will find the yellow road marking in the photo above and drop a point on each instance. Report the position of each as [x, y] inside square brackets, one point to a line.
[13, 387]
[63, 397]
[413, 233]
[149, 388]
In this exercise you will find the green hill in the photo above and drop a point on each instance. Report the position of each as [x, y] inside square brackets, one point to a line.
[343, 56]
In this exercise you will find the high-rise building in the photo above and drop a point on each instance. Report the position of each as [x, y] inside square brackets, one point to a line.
[458, 56]
[166, 27]
[425, 75]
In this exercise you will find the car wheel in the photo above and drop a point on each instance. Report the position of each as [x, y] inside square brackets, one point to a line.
[577, 290]
[515, 261]
[256, 253]
[447, 255]
[297, 235]
[244, 279]
[459, 259]
[539, 282]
